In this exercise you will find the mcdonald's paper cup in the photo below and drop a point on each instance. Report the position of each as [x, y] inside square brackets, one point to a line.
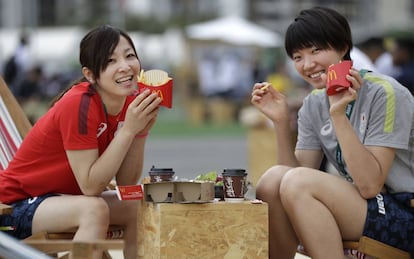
[337, 81]
[164, 91]
[235, 185]
[161, 174]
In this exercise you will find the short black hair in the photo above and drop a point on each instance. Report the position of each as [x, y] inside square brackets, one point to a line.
[321, 27]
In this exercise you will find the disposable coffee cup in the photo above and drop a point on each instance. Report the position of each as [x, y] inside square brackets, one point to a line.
[161, 174]
[235, 184]
[336, 77]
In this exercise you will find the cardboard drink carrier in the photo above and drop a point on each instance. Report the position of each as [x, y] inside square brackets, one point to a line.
[160, 189]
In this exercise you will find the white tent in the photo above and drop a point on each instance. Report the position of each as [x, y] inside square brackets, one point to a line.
[234, 30]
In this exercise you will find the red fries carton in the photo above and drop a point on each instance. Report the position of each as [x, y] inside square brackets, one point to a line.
[129, 192]
[337, 81]
[159, 82]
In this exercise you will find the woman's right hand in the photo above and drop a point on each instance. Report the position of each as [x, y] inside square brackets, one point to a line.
[142, 112]
[270, 102]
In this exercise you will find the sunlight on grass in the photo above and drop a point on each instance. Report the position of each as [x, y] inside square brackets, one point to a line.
[184, 129]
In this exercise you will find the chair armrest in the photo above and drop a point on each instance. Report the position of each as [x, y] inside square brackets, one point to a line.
[377, 249]
[79, 248]
[5, 209]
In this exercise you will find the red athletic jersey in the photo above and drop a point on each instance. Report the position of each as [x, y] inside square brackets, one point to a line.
[78, 121]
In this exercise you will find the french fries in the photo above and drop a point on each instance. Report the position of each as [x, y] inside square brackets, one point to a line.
[265, 87]
[141, 76]
[154, 77]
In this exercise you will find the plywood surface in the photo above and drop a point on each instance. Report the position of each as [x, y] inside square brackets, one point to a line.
[212, 230]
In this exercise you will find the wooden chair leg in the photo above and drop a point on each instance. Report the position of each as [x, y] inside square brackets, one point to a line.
[78, 250]
[106, 255]
[81, 250]
[61, 256]
[80, 254]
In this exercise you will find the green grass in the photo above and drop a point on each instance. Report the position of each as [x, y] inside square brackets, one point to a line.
[165, 128]
[174, 123]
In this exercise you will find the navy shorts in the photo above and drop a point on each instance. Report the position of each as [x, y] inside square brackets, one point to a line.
[390, 220]
[19, 223]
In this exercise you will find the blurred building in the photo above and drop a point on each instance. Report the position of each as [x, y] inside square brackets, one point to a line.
[59, 24]
[158, 26]
[369, 15]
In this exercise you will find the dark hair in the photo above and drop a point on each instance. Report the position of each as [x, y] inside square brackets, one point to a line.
[95, 49]
[406, 44]
[372, 42]
[321, 27]
[98, 45]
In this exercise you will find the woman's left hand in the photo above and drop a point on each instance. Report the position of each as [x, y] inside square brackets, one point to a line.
[339, 101]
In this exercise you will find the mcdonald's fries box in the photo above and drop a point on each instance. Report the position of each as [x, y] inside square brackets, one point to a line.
[164, 91]
[179, 192]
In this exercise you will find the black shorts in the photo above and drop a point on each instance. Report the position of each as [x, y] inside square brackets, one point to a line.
[390, 219]
[19, 223]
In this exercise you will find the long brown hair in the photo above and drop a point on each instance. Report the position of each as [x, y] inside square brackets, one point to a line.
[95, 49]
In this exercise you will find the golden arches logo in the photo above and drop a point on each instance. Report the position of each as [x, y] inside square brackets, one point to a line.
[159, 93]
[332, 75]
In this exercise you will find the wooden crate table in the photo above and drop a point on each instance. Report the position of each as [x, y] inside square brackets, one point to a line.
[209, 230]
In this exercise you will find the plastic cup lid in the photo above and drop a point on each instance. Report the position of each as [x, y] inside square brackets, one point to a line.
[234, 172]
[161, 171]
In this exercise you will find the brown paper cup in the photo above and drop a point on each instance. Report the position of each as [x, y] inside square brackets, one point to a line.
[161, 175]
[234, 184]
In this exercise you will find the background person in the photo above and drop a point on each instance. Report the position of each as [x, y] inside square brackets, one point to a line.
[357, 131]
[18, 64]
[94, 132]
[403, 59]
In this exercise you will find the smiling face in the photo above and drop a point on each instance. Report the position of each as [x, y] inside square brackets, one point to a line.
[317, 38]
[119, 78]
[109, 62]
[312, 62]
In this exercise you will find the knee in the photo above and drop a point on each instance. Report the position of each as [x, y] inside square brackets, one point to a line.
[294, 184]
[95, 209]
[268, 184]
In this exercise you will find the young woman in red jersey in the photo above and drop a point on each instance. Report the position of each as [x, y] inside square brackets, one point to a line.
[95, 132]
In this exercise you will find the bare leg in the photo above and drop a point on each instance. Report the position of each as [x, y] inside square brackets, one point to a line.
[124, 213]
[89, 215]
[282, 238]
[323, 210]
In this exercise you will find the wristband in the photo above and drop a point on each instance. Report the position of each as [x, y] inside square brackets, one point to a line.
[142, 135]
